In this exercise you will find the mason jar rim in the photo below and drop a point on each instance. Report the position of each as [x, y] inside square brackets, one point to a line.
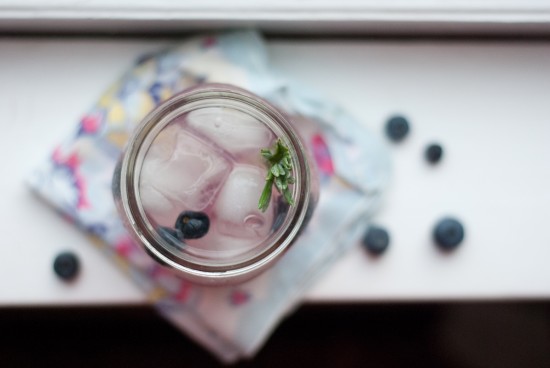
[151, 241]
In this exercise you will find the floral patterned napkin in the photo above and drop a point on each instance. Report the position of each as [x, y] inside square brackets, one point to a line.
[233, 322]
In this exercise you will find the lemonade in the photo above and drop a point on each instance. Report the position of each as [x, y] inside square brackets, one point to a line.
[208, 163]
[215, 184]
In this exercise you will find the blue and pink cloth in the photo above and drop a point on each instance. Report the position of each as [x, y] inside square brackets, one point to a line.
[232, 322]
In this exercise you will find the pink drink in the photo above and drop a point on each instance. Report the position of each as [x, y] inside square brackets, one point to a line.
[189, 183]
[209, 161]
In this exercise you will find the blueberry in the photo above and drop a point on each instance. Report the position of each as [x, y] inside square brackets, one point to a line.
[192, 225]
[397, 128]
[433, 153]
[448, 233]
[66, 265]
[172, 236]
[376, 240]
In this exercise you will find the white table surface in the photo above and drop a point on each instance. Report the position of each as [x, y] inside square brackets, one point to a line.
[487, 103]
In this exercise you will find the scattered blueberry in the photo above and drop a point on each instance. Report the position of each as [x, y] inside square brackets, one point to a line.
[397, 128]
[376, 240]
[192, 225]
[66, 265]
[172, 236]
[448, 233]
[433, 153]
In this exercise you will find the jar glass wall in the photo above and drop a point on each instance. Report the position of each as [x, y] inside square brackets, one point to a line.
[190, 180]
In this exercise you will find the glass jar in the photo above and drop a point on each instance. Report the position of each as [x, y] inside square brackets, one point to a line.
[188, 184]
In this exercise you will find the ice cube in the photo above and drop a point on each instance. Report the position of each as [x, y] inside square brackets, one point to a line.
[233, 130]
[159, 208]
[236, 206]
[187, 179]
[165, 142]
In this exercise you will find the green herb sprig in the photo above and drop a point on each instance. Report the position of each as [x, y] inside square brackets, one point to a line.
[279, 165]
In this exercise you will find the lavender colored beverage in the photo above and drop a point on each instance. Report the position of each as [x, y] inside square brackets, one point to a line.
[215, 184]
[208, 161]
